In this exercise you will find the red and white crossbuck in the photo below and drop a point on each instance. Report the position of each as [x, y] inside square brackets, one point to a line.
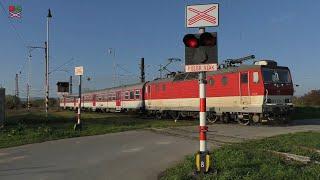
[202, 15]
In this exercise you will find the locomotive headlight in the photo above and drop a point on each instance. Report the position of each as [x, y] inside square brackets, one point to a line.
[268, 100]
[287, 100]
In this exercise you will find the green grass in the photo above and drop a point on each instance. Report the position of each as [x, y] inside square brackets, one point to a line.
[253, 160]
[306, 113]
[30, 127]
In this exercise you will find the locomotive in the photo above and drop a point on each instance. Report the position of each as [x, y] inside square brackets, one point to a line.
[247, 93]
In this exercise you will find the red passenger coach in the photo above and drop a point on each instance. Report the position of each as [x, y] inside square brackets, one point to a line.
[256, 93]
[118, 99]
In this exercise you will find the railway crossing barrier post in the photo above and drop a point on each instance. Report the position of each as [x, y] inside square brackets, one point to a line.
[79, 72]
[202, 158]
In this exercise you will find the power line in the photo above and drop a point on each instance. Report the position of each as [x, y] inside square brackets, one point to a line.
[58, 68]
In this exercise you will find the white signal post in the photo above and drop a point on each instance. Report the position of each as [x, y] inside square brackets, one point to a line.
[79, 72]
[203, 157]
[202, 114]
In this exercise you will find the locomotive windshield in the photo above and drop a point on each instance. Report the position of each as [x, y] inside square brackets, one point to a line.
[276, 76]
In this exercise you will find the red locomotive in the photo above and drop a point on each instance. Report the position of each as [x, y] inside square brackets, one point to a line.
[256, 93]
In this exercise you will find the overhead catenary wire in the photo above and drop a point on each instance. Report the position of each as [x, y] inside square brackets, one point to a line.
[61, 66]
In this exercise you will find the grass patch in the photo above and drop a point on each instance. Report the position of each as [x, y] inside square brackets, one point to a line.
[31, 127]
[253, 160]
[306, 113]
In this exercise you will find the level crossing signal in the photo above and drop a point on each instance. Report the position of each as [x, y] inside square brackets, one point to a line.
[63, 87]
[201, 48]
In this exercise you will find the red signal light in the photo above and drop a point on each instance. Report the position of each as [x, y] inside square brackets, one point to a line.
[191, 41]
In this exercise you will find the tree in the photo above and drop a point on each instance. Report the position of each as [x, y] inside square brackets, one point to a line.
[312, 98]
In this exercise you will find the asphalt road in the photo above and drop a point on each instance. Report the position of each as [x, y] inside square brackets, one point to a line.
[127, 155]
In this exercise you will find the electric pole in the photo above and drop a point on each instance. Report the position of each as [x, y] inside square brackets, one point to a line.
[28, 81]
[17, 85]
[28, 97]
[70, 85]
[47, 63]
[112, 51]
[142, 73]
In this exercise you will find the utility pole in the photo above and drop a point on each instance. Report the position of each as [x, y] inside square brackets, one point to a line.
[28, 97]
[17, 85]
[142, 73]
[28, 80]
[46, 77]
[112, 51]
[49, 16]
[31, 48]
[70, 85]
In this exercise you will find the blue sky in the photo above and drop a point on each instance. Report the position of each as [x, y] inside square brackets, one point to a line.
[286, 30]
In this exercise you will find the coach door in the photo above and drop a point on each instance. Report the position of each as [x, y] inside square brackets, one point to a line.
[118, 100]
[244, 88]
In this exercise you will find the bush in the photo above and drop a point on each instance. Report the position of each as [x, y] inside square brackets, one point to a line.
[12, 102]
[41, 103]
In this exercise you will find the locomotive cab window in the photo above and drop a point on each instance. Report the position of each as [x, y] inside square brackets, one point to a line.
[244, 78]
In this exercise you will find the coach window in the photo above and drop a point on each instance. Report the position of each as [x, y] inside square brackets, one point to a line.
[126, 95]
[244, 78]
[224, 80]
[131, 95]
[149, 89]
[163, 87]
[137, 94]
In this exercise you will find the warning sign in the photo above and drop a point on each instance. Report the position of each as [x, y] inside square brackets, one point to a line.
[202, 15]
[78, 71]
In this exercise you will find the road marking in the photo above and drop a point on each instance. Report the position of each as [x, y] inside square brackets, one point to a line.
[163, 142]
[136, 149]
[11, 159]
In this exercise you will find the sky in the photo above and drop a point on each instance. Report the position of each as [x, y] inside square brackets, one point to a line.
[81, 32]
